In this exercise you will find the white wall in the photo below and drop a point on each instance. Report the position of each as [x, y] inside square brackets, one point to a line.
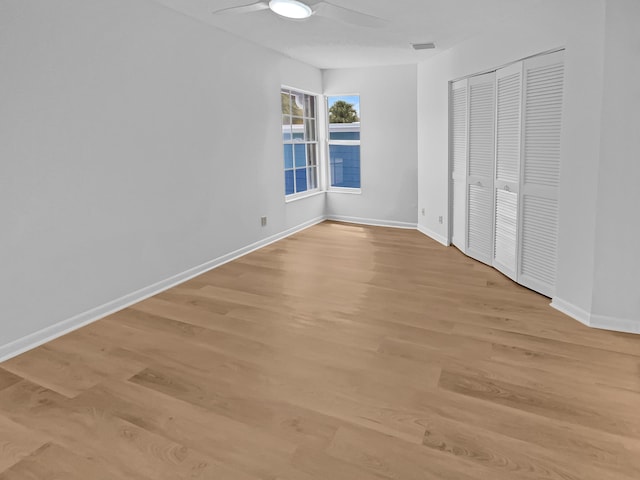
[617, 253]
[388, 143]
[577, 25]
[135, 143]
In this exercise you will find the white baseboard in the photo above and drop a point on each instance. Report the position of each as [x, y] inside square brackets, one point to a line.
[436, 236]
[63, 327]
[594, 320]
[372, 221]
[571, 310]
[616, 324]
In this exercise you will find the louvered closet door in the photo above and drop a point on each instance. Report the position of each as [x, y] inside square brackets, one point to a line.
[507, 172]
[458, 154]
[540, 176]
[480, 169]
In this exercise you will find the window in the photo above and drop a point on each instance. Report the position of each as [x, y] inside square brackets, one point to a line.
[300, 142]
[344, 141]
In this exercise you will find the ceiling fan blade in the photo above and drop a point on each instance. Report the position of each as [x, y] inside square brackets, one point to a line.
[346, 15]
[252, 7]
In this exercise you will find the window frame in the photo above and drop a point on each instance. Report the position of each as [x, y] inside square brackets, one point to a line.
[315, 144]
[329, 142]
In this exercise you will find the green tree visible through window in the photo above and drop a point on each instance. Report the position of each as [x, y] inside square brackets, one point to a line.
[343, 112]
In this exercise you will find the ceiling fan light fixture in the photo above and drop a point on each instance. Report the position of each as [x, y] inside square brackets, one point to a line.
[290, 9]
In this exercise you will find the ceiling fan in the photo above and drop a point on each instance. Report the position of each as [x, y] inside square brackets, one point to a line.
[297, 10]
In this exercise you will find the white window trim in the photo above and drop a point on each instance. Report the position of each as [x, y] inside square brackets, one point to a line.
[344, 142]
[347, 190]
[294, 197]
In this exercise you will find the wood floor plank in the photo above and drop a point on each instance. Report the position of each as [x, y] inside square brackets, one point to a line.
[585, 370]
[17, 442]
[53, 462]
[323, 395]
[65, 366]
[235, 448]
[7, 378]
[390, 458]
[503, 453]
[587, 446]
[316, 464]
[343, 352]
[613, 355]
[543, 403]
[304, 343]
[134, 452]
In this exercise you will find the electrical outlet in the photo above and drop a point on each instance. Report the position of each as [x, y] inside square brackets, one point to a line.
[263, 221]
[440, 219]
[423, 212]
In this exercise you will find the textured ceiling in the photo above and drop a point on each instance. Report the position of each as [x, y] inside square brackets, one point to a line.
[327, 43]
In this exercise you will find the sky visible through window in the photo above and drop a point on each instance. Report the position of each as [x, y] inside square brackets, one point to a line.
[352, 99]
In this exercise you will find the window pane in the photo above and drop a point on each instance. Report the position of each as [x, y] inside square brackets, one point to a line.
[297, 120]
[298, 132]
[288, 182]
[312, 178]
[301, 180]
[344, 109]
[285, 99]
[310, 130]
[286, 120]
[288, 156]
[301, 155]
[351, 133]
[297, 104]
[310, 106]
[286, 133]
[312, 154]
[344, 163]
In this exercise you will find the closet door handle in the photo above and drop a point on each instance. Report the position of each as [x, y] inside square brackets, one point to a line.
[506, 188]
[478, 183]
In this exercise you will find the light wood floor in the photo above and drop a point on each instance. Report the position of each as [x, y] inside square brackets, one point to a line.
[341, 353]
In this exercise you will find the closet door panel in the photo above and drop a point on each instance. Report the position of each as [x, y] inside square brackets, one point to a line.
[540, 178]
[506, 233]
[481, 165]
[539, 243]
[479, 227]
[458, 237]
[507, 173]
[458, 153]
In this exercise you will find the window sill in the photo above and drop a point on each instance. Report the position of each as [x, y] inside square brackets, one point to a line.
[299, 196]
[352, 191]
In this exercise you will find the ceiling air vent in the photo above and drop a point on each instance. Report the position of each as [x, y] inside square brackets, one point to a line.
[423, 46]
